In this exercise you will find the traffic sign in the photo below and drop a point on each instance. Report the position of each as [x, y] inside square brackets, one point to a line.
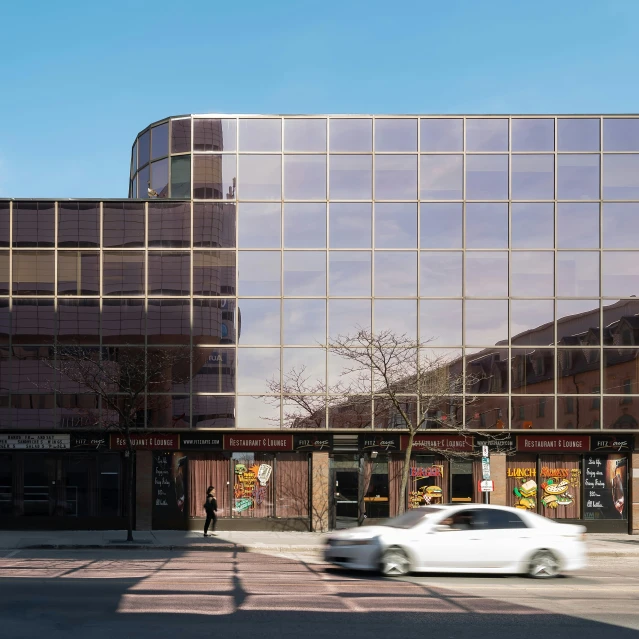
[485, 467]
[486, 486]
[484, 451]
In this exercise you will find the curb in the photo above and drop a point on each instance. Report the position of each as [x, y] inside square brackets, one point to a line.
[133, 546]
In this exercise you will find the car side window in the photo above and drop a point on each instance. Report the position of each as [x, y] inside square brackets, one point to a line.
[489, 519]
[462, 520]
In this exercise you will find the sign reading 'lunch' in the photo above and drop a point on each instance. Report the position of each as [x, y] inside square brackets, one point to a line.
[553, 443]
[258, 442]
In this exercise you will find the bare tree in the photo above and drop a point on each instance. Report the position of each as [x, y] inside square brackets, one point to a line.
[129, 382]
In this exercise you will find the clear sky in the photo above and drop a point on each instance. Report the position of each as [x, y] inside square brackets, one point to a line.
[78, 80]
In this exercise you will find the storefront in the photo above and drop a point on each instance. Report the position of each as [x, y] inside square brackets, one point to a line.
[572, 478]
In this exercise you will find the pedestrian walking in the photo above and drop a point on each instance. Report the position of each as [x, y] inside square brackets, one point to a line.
[210, 507]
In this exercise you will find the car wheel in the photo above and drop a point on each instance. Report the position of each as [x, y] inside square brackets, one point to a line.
[543, 565]
[394, 563]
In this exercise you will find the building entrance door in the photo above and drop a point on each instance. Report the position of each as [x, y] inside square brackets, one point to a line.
[462, 489]
[345, 491]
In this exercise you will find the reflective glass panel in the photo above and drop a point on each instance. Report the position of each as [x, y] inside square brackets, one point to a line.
[255, 366]
[440, 274]
[577, 274]
[304, 322]
[395, 134]
[160, 141]
[305, 225]
[621, 177]
[214, 177]
[578, 177]
[486, 225]
[577, 225]
[32, 321]
[169, 273]
[532, 274]
[350, 273]
[346, 317]
[4, 272]
[620, 274]
[351, 135]
[620, 377]
[441, 134]
[181, 136]
[487, 373]
[441, 177]
[260, 322]
[396, 177]
[5, 223]
[169, 224]
[181, 176]
[487, 177]
[305, 177]
[397, 316]
[531, 322]
[351, 177]
[486, 135]
[486, 321]
[396, 273]
[532, 370]
[395, 225]
[169, 321]
[441, 225]
[533, 177]
[578, 371]
[123, 321]
[160, 177]
[486, 273]
[259, 273]
[532, 134]
[33, 272]
[620, 225]
[578, 317]
[214, 273]
[144, 148]
[350, 225]
[260, 177]
[123, 224]
[260, 135]
[304, 134]
[144, 180]
[532, 225]
[210, 411]
[305, 273]
[258, 412]
[578, 134]
[311, 360]
[123, 273]
[78, 224]
[214, 224]
[440, 321]
[214, 370]
[260, 225]
[78, 273]
[213, 321]
[78, 321]
[214, 135]
[621, 134]
[33, 224]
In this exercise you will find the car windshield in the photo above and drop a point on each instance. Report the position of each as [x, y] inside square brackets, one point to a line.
[412, 517]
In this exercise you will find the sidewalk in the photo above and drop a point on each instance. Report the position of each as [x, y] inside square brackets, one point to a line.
[599, 545]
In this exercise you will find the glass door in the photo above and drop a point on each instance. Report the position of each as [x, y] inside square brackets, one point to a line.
[462, 489]
[345, 473]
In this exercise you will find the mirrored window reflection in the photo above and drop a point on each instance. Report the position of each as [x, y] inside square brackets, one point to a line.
[440, 274]
[214, 224]
[260, 225]
[144, 182]
[487, 177]
[144, 148]
[123, 273]
[33, 224]
[169, 273]
[33, 272]
[577, 134]
[533, 134]
[5, 223]
[214, 135]
[350, 225]
[532, 273]
[260, 134]
[169, 321]
[486, 134]
[304, 322]
[621, 134]
[397, 316]
[260, 322]
[532, 225]
[214, 177]
[311, 360]
[181, 176]
[486, 322]
[619, 375]
[134, 159]
[620, 274]
[160, 177]
[259, 273]
[214, 321]
[346, 317]
[487, 373]
[5, 279]
[442, 134]
[440, 322]
[305, 177]
[441, 177]
[214, 370]
[305, 273]
[123, 321]
[531, 322]
[441, 225]
[260, 177]
[78, 273]
[620, 415]
[258, 412]
[620, 225]
[578, 177]
[395, 134]
[255, 367]
[532, 371]
[395, 225]
[578, 225]
[578, 317]
[214, 273]
[160, 141]
[487, 225]
[351, 135]
[32, 322]
[621, 177]
[169, 224]
[78, 321]
[577, 274]
[351, 177]
[533, 177]
[396, 273]
[181, 136]
[304, 134]
[339, 373]
[305, 225]
[78, 224]
[350, 273]
[396, 177]
[486, 273]
[123, 224]
[578, 371]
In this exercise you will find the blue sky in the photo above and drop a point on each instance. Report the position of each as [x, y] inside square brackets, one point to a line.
[78, 80]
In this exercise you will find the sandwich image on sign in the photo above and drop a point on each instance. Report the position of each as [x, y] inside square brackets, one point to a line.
[526, 494]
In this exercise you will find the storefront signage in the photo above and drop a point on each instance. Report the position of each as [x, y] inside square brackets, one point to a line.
[169, 470]
[498, 443]
[258, 442]
[201, 441]
[618, 444]
[428, 471]
[25, 441]
[146, 442]
[553, 443]
[89, 441]
[381, 443]
[605, 483]
[312, 441]
[435, 443]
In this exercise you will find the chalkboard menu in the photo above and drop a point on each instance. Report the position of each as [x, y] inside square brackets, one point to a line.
[169, 471]
[605, 484]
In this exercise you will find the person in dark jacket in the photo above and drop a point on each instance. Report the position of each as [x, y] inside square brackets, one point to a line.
[210, 507]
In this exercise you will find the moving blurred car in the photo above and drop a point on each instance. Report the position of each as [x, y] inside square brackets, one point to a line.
[473, 538]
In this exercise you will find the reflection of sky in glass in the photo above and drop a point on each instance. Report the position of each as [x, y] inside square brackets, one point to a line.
[395, 225]
[532, 273]
[486, 134]
[304, 322]
[486, 321]
[396, 177]
[312, 360]
[259, 225]
[395, 273]
[442, 134]
[533, 134]
[304, 134]
[395, 134]
[305, 177]
[487, 177]
[577, 274]
[260, 321]
[257, 412]
[620, 274]
[305, 273]
[254, 367]
[350, 273]
[578, 177]
[260, 177]
[620, 225]
[350, 225]
[441, 177]
[440, 274]
[351, 135]
[486, 273]
[398, 316]
[621, 177]
[260, 135]
[259, 272]
[578, 134]
[441, 225]
[159, 141]
[577, 225]
[486, 225]
[621, 134]
[533, 177]
[440, 321]
[526, 315]
[532, 225]
[305, 225]
[351, 177]
[345, 316]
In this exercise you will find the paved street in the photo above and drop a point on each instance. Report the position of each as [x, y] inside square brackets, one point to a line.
[153, 593]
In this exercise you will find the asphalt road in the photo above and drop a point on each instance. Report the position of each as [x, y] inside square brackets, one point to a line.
[142, 594]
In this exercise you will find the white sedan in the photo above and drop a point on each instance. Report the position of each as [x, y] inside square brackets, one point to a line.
[473, 538]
